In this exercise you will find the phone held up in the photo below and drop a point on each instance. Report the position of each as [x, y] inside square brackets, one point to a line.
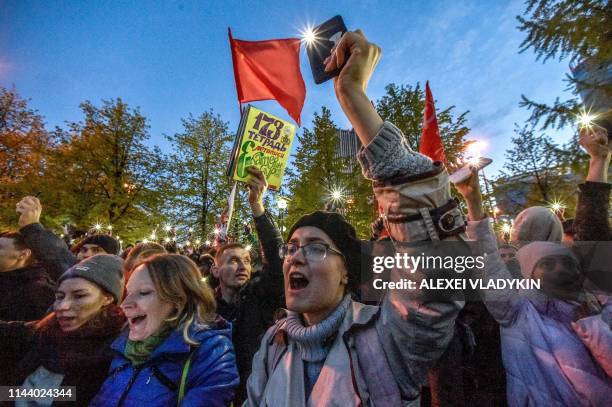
[319, 48]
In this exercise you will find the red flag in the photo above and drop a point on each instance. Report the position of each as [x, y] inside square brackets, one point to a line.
[431, 143]
[269, 70]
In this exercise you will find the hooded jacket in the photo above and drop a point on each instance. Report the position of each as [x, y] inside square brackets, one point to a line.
[547, 363]
[211, 379]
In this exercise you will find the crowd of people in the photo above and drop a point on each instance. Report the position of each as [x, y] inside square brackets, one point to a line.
[150, 327]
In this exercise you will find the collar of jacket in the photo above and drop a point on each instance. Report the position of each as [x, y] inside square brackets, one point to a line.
[175, 344]
[357, 316]
[27, 273]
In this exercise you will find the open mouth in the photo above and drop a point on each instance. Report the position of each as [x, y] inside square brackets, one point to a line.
[136, 320]
[297, 281]
[65, 320]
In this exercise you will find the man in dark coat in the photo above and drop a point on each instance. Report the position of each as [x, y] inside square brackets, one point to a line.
[26, 290]
[253, 305]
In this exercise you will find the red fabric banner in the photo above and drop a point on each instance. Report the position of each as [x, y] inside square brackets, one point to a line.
[431, 143]
[269, 70]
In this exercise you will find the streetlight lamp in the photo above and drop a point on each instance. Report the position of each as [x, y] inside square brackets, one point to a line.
[282, 204]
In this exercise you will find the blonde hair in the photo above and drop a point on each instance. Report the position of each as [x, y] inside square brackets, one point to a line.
[177, 281]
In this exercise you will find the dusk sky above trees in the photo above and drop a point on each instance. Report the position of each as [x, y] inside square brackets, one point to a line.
[173, 58]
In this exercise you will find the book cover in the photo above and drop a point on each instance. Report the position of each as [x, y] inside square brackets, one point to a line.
[263, 140]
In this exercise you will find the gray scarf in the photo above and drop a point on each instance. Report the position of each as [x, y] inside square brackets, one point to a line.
[310, 340]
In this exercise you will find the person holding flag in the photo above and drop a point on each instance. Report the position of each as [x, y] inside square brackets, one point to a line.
[331, 350]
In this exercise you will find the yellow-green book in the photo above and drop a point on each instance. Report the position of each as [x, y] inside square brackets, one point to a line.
[262, 140]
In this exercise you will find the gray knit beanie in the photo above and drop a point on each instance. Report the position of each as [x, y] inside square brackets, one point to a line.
[104, 270]
[536, 223]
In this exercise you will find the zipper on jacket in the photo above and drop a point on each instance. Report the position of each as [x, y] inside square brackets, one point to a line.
[352, 367]
[129, 386]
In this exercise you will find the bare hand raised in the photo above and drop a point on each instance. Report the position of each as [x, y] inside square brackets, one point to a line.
[359, 58]
[594, 139]
[257, 186]
[29, 209]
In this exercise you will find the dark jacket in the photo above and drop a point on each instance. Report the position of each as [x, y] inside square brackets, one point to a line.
[48, 249]
[82, 357]
[259, 299]
[592, 208]
[25, 294]
[592, 235]
[211, 379]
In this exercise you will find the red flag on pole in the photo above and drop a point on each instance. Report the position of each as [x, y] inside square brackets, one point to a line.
[431, 143]
[269, 70]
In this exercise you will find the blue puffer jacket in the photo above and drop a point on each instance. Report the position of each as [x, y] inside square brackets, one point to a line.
[211, 380]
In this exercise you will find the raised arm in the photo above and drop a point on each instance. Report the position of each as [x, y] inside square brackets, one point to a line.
[381, 158]
[502, 304]
[591, 220]
[411, 190]
[267, 232]
[47, 248]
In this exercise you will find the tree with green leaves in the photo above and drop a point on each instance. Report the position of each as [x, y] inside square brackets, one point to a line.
[532, 173]
[320, 179]
[404, 106]
[104, 172]
[577, 30]
[196, 185]
[24, 144]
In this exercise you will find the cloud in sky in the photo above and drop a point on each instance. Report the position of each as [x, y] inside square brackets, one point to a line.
[173, 58]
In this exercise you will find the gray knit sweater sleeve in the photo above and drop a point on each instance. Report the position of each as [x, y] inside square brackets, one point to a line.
[389, 155]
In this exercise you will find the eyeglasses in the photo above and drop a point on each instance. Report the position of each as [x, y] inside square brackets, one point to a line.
[312, 251]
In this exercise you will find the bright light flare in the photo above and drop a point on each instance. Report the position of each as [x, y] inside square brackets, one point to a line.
[586, 120]
[336, 194]
[309, 37]
[281, 203]
[506, 228]
[473, 151]
[167, 240]
[97, 226]
[168, 228]
[198, 241]
[110, 227]
[556, 206]
[474, 160]
[207, 242]
[248, 247]
[475, 148]
[152, 237]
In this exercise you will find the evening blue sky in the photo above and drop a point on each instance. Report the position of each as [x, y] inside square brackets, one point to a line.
[172, 58]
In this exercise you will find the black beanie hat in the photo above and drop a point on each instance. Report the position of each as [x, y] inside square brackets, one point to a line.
[106, 242]
[342, 234]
